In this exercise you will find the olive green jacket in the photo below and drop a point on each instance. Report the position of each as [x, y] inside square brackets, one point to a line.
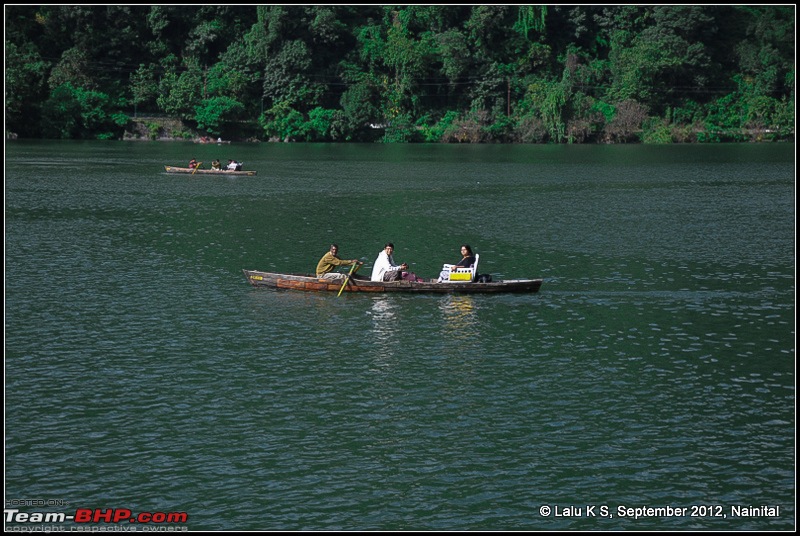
[328, 262]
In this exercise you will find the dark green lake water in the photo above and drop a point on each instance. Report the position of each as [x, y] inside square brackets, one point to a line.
[655, 368]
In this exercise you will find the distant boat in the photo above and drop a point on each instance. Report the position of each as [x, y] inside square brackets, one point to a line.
[312, 283]
[218, 141]
[192, 171]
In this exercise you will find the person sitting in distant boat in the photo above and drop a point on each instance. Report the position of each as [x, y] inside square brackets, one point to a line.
[330, 261]
[467, 260]
[215, 165]
[192, 163]
[233, 165]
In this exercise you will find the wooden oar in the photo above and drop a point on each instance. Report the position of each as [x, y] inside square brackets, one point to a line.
[353, 270]
[197, 167]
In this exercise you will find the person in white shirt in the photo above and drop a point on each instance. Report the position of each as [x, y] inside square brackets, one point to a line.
[385, 269]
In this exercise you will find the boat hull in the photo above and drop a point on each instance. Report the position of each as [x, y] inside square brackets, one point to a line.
[190, 171]
[311, 283]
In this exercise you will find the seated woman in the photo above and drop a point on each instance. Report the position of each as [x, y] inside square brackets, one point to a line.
[467, 260]
[192, 163]
[215, 164]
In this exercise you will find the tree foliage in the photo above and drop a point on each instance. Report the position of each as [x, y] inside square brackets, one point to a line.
[434, 73]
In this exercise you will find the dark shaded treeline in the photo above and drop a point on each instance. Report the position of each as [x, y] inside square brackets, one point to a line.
[522, 74]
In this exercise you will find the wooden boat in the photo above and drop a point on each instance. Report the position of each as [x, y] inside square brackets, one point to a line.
[364, 284]
[190, 171]
[218, 142]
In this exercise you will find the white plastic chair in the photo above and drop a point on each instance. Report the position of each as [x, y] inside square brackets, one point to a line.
[461, 274]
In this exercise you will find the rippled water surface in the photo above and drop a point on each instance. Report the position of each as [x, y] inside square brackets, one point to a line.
[654, 368]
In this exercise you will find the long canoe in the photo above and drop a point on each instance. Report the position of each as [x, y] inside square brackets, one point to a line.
[190, 171]
[362, 284]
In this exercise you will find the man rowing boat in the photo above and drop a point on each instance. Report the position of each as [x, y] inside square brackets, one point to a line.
[330, 261]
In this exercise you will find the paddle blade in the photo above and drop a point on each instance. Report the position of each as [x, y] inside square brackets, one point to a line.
[353, 270]
[343, 285]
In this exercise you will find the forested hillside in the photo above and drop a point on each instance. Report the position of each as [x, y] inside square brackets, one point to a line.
[478, 74]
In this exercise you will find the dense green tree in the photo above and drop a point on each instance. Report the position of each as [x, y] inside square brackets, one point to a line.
[211, 114]
[144, 87]
[79, 113]
[359, 109]
[283, 123]
[73, 68]
[181, 93]
[483, 73]
[25, 88]
[664, 58]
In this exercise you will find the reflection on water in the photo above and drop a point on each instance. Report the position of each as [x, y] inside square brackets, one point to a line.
[384, 325]
[459, 317]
